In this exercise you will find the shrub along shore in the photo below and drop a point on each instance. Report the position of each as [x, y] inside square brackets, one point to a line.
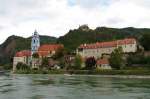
[86, 72]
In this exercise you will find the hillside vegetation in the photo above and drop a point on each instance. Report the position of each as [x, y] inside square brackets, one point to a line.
[85, 35]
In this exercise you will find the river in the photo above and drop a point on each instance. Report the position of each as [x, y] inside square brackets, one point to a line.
[72, 87]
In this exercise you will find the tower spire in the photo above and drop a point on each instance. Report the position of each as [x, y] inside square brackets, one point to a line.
[35, 32]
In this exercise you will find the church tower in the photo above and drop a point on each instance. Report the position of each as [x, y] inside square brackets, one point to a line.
[35, 42]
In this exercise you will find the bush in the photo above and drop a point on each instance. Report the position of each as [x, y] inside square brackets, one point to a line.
[138, 59]
[7, 67]
[21, 66]
[90, 63]
[45, 62]
[77, 62]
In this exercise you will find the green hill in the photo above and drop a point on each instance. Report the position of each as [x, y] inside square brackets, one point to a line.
[85, 35]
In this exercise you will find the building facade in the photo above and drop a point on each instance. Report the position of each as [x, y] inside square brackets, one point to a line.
[48, 50]
[98, 49]
[22, 57]
[103, 63]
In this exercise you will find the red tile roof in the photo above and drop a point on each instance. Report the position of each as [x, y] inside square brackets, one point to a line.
[23, 53]
[108, 44]
[45, 49]
[126, 41]
[102, 61]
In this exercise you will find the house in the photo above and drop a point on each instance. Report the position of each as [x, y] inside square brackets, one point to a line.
[53, 64]
[69, 59]
[103, 64]
[22, 57]
[106, 48]
[36, 62]
[48, 50]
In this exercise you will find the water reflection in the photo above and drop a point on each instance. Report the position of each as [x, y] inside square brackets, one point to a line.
[43, 82]
[37, 97]
[72, 87]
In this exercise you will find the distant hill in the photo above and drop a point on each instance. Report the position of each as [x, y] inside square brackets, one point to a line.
[16, 43]
[85, 35]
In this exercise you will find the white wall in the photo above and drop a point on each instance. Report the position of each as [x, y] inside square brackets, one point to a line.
[97, 53]
[16, 60]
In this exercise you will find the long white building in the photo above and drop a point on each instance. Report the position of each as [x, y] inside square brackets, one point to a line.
[98, 49]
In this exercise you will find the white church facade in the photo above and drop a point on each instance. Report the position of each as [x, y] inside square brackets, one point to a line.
[27, 57]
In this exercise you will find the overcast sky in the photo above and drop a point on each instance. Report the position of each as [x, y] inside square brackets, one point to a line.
[57, 17]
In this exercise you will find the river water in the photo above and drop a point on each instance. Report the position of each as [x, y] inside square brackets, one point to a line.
[72, 87]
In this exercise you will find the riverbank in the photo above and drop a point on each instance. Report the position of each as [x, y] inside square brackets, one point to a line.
[86, 72]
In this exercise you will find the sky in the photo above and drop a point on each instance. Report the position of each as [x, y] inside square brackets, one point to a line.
[57, 17]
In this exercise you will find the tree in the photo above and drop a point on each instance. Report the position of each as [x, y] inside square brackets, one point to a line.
[77, 62]
[116, 58]
[35, 55]
[145, 39]
[138, 60]
[45, 62]
[59, 53]
[90, 63]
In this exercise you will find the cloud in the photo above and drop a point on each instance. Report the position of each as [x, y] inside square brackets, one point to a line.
[91, 3]
[56, 17]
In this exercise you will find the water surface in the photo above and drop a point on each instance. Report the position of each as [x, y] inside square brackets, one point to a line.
[72, 87]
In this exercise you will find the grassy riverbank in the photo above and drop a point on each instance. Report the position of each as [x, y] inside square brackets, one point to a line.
[90, 72]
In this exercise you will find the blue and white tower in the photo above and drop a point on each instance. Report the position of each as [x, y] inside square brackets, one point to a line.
[35, 43]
